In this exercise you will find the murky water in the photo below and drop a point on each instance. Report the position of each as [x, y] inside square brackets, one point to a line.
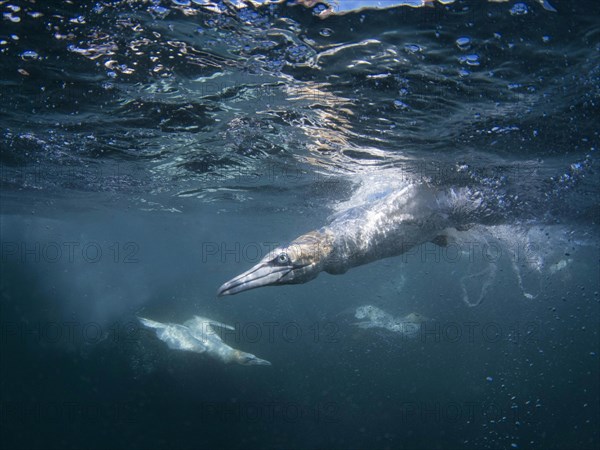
[152, 150]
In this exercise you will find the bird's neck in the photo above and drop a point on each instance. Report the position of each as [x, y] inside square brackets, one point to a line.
[314, 248]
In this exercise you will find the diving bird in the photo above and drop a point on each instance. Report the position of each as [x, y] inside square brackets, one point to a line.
[374, 317]
[385, 227]
[200, 336]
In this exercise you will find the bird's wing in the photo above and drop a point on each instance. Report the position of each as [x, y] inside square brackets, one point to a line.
[177, 337]
[202, 322]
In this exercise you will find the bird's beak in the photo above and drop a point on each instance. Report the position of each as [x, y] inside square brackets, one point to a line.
[258, 362]
[262, 274]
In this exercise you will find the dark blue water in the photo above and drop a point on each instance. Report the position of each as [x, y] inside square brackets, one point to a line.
[150, 151]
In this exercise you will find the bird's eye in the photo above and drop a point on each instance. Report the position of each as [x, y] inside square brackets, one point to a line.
[283, 258]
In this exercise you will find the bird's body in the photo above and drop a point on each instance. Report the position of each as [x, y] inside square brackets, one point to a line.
[199, 335]
[389, 226]
[374, 317]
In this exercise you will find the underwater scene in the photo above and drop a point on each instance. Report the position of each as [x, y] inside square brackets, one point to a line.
[299, 224]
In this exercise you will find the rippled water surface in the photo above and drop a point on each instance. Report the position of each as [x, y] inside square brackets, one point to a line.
[152, 150]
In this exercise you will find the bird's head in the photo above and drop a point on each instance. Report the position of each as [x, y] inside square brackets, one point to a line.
[300, 261]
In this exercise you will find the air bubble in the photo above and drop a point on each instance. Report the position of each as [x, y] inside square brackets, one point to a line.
[29, 55]
[9, 16]
[319, 9]
[463, 43]
[412, 48]
[400, 105]
[470, 60]
[159, 12]
[519, 9]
